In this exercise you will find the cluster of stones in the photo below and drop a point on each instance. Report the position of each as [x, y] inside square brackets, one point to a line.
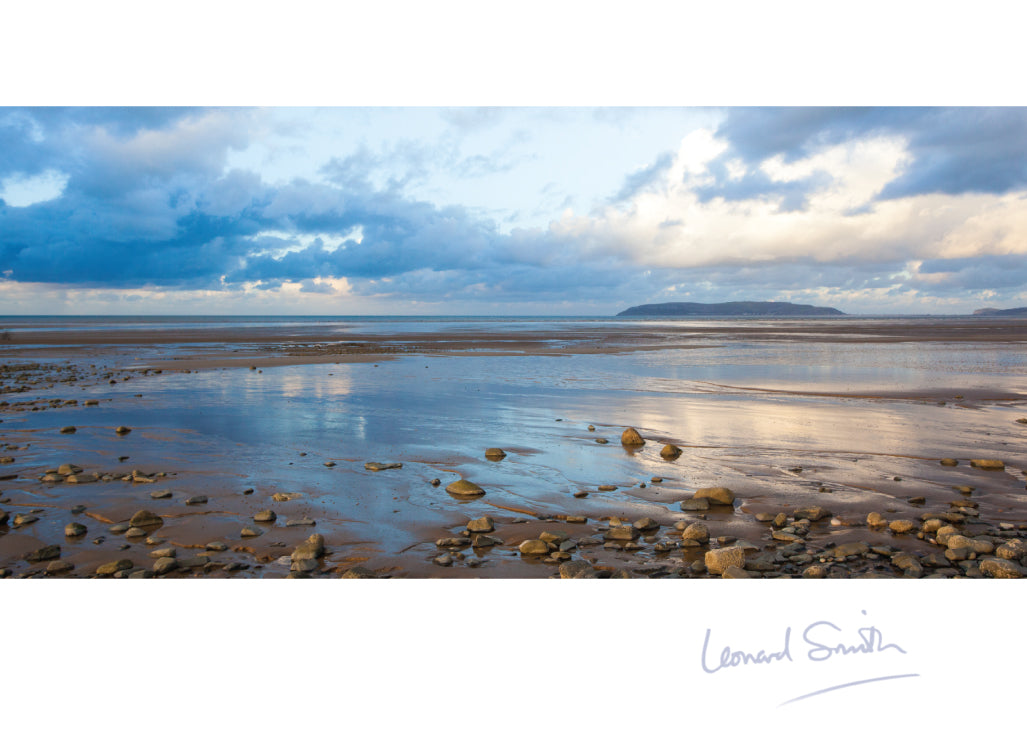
[74, 474]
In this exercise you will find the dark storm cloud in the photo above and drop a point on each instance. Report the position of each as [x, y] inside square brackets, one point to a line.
[1005, 272]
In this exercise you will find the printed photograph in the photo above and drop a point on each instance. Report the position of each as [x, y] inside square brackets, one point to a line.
[513, 342]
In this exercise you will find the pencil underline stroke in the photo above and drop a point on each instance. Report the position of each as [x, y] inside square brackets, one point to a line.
[848, 684]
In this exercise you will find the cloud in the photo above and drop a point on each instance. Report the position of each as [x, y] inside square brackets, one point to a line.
[853, 207]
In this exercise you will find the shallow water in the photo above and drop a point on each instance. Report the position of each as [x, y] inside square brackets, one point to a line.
[746, 412]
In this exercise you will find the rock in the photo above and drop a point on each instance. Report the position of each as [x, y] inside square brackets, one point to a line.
[44, 554]
[814, 572]
[484, 541]
[68, 469]
[577, 570]
[110, 568]
[443, 560]
[216, 546]
[902, 526]
[329, 464]
[646, 524]
[696, 532]
[591, 427]
[161, 494]
[164, 553]
[3, 517]
[299, 522]
[135, 532]
[68, 429]
[534, 547]
[949, 462]
[453, 542]
[464, 488]
[932, 525]
[630, 437]
[621, 533]
[495, 454]
[265, 516]
[74, 529]
[197, 500]
[312, 548]
[719, 559]
[377, 466]
[990, 464]
[145, 518]
[606, 487]
[670, 452]
[82, 478]
[122, 430]
[602, 441]
[304, 565]
[358, 572]
[735, 572]
[786, 536]
[1001, 569]
[843, 550]
[481, 525]
[21, 519]
[58, 567]
[695, 505]
[1014, 549]
[876, 520]
[813, 514]
[716, 495]
[165, 564]
[436, 482]
[581, 493]
[555, 538]
[249, 533]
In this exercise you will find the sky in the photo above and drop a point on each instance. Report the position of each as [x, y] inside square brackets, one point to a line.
[510, 210]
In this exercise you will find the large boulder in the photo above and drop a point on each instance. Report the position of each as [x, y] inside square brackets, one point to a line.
[696, 532]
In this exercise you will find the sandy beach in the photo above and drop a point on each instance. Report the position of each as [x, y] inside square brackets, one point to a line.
[791, 448]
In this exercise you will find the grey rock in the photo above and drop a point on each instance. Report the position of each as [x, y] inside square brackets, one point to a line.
[695, 505]
[74, 529]
[164, 553]
[312, 548]
[55, 568]
[646, 524]
[161, 494]
[358, 572]
[164, 565]
[265, 516]
[145, 518]
[299, 522]
[21, 519]
[249, 533]
[481, 525]
[197, 500]
[44, 554]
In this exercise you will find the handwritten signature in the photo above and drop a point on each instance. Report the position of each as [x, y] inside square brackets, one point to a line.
[822, 640]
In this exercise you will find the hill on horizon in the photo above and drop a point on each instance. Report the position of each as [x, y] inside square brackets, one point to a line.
[1011, 312]
[730, 308]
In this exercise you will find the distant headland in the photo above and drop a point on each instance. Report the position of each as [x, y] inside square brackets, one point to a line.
[1020, 312]
[730, 309]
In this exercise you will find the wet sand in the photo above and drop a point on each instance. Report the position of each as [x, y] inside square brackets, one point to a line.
[257, 419]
